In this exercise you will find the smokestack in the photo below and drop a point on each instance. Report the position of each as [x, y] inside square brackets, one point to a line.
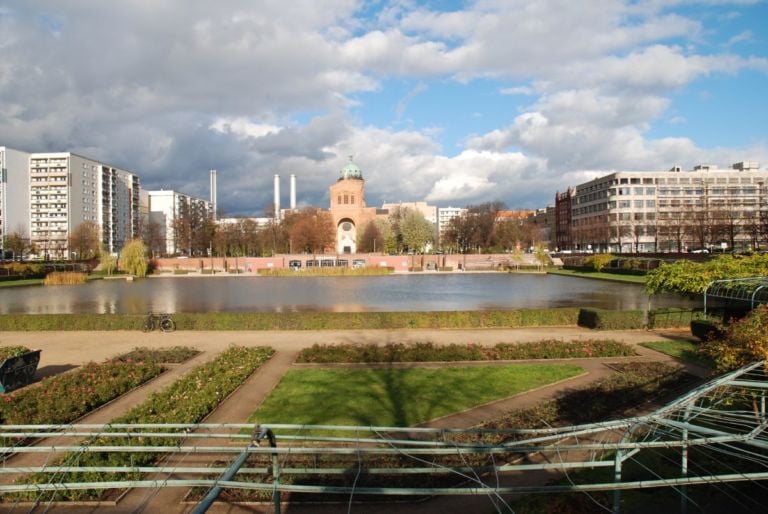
[277, 197]
[293, 191]
[213, 194]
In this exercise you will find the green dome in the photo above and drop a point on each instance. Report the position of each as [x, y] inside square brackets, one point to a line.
[351, 170]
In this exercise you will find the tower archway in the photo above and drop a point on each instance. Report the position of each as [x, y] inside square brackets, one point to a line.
[346, 236]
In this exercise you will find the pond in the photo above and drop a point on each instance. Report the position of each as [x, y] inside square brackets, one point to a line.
[411, 292]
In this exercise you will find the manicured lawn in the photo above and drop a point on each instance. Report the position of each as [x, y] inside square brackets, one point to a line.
[633, 279]
[22, 282]
[397, 397]
[681, 349]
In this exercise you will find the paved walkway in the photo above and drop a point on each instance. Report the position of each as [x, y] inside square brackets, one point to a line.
[62, 350]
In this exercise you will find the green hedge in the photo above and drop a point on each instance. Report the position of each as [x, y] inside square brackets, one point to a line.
[602, 319]
[706, 329]
[673, 317]
[300, 320]
[24, 322]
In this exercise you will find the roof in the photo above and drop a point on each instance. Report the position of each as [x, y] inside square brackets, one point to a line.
[351, 171]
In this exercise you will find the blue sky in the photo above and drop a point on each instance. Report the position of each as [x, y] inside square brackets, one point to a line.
[451, 102]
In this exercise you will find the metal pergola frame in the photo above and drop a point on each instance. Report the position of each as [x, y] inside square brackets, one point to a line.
[749, 291]
[726, 416]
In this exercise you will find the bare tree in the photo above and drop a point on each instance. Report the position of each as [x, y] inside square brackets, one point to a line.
[84, 241]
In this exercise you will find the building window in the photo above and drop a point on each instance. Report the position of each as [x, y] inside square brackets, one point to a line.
[338, 200]
[346, 199]
[353, 199]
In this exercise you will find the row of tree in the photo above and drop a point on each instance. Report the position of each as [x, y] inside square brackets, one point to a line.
[310, 230]
[674, 230]
[481, 230]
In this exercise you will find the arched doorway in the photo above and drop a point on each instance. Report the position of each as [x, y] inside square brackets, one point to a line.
[346, 236]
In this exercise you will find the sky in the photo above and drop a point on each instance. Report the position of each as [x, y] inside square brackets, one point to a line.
[450, 102]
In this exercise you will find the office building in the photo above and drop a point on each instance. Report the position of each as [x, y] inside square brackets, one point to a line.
[668, 211]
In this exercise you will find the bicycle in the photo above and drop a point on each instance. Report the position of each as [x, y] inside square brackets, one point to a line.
[161, 321]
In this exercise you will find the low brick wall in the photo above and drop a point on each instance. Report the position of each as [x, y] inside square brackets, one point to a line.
[400, 263]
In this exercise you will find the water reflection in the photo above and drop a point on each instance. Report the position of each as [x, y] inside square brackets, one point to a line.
[338, 294]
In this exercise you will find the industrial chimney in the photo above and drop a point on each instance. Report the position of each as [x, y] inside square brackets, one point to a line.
[277, 197]
[293, 191]
[213, 195]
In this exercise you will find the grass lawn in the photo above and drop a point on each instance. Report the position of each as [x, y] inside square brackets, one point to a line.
[681, 349]
[632, 279]
[22, 282]
[397, 396]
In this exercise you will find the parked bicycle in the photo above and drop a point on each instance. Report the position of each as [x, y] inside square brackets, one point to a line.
[161, 321]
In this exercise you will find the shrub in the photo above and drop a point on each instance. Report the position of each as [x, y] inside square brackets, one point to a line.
[745, 341]
[599, 260]
[65, 278]
[602, 319]
[706, 329]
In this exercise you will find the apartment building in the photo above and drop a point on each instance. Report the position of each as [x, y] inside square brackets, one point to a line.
[444, 217]
[543, 220]
[675, 210]
[14, 197]
[165, 207]
[67, 189]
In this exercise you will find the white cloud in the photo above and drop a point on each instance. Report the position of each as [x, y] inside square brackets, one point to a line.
[182, 87]
[519, 90]
[242, 128]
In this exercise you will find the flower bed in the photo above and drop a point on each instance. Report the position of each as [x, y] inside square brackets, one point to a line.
[430, 352]
[172, 355]
[9, 352]
[64, 398]
[188, 400]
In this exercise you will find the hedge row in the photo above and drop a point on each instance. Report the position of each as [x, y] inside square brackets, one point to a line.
[590, 318]
[430, 352]
[299, 320]
[602, 319]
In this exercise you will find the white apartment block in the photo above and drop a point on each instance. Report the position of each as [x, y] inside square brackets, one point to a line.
[676, 210]
[164, 207]
[67, 189]
[444, 217]
[14, 197]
